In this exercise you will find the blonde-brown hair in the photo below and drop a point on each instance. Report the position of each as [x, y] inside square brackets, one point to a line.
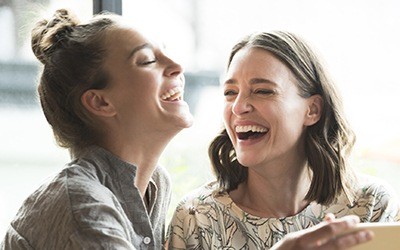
[72, 54]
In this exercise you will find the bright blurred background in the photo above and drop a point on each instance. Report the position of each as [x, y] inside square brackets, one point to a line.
[358, 39]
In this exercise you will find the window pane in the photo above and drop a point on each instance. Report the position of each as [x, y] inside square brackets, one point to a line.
[28, 153]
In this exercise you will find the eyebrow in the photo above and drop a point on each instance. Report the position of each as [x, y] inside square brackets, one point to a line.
[253, 81]
[140, 47]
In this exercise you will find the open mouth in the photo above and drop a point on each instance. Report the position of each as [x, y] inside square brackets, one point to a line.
[250, 132]
[173, 95]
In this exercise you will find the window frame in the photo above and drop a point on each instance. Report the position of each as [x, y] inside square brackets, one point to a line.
[114, 6]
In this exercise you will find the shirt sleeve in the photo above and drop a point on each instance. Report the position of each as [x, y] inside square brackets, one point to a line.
[197, 222]
[14, 241]
[192, 226]
[175, 234]
[387, 205]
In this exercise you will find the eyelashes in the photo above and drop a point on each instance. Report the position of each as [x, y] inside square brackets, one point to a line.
[229, 92]
[148, 62]
[264, 92]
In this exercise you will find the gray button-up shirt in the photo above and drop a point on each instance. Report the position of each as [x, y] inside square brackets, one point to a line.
[93, 204]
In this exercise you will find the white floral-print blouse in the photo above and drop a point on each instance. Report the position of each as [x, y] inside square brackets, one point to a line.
[208, 219]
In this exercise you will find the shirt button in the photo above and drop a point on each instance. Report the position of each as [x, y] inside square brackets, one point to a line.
[146, 240]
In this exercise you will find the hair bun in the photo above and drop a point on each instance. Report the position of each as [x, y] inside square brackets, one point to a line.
[47, 34]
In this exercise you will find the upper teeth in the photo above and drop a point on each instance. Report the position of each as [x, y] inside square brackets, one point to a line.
[253, 128]
[172, 92]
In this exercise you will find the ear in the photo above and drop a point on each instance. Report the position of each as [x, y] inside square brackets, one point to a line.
[315, 106]
[97, 103]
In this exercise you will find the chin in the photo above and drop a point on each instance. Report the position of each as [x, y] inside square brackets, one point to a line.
[179, 122]
[186, 121]
[184, 118]
[179, 115]
[247, 160]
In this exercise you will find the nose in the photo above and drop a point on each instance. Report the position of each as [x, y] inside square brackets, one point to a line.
[242, 105]
[172, 68]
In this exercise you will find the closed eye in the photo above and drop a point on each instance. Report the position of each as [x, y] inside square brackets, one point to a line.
[148, 62]
[229, 92]
[264, 91]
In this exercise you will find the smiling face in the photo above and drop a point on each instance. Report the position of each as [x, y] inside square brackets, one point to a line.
[145, 85]
[264, 115]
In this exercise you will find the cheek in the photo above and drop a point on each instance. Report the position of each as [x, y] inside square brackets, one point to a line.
[143, 87]
[227, 114]
[227, 120]
[292, 126]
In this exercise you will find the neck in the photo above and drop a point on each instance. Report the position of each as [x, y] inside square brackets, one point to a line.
[274, 195]
[142, 151]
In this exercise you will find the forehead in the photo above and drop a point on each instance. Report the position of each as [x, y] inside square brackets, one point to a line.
[125, 34]
[121, 36]
[253, 61]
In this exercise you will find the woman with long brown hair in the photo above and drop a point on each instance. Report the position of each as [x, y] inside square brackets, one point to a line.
[281, 161]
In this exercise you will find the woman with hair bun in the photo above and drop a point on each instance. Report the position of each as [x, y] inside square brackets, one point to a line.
[115, 100]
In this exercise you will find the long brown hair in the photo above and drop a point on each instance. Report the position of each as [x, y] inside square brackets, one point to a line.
[328, 142]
